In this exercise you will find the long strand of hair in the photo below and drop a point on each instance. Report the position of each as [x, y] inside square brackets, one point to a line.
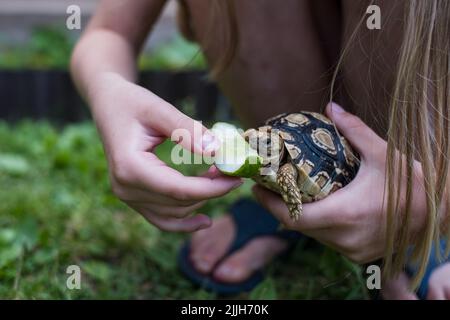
[418, 131]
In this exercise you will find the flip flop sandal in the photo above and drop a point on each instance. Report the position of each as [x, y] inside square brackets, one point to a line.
[422, 291]
[251, 221]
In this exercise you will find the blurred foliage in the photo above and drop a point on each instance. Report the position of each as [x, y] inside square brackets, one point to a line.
[56, 209]
[50, 48]
[174, 55]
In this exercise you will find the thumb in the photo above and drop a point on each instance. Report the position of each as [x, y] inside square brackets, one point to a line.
[360, 136]
[187, 132]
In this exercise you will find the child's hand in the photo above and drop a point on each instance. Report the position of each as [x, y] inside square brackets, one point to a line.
[132, 122]
[351, 220]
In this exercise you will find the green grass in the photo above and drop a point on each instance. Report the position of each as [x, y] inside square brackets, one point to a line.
[56, 209]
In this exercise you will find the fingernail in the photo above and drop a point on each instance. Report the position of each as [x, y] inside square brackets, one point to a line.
[205, 224]
[210, 143]
[201, 227]
[336, 108]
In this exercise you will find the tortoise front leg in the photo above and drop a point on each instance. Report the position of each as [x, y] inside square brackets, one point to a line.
[287, 181]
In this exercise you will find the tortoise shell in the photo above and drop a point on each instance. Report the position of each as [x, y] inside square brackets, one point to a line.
[324, 159]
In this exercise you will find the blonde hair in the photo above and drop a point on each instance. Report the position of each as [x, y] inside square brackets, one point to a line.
[419, 113]
[419, 127]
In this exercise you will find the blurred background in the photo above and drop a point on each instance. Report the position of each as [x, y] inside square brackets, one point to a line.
[56, 207]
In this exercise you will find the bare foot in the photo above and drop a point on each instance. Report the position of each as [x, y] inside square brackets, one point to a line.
[208, 246]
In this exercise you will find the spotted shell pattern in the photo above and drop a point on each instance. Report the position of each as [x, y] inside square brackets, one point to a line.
[324, 159]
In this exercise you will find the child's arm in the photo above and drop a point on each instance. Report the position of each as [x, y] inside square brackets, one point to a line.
[112, 42]
[132, 121]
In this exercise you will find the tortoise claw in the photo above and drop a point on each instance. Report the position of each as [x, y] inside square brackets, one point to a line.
[295, 211]
[290, 192]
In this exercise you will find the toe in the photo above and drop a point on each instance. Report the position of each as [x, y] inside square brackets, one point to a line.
[210, 245]
[254, 256]
[205, 257]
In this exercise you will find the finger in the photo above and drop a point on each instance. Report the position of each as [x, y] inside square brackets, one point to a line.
[152, 174]
[312, 218]
[398, 289]
[213, 172]
[172, 211]
[189, 224]
[320, 214]
[189, 133]
[141, 196]
[360, 136]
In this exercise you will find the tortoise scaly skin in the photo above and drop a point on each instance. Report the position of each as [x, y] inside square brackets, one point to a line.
[304, 158]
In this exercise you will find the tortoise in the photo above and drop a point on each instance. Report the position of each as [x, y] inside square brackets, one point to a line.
[304, 158]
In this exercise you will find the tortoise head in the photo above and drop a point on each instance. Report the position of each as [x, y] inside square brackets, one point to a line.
[267, 142]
